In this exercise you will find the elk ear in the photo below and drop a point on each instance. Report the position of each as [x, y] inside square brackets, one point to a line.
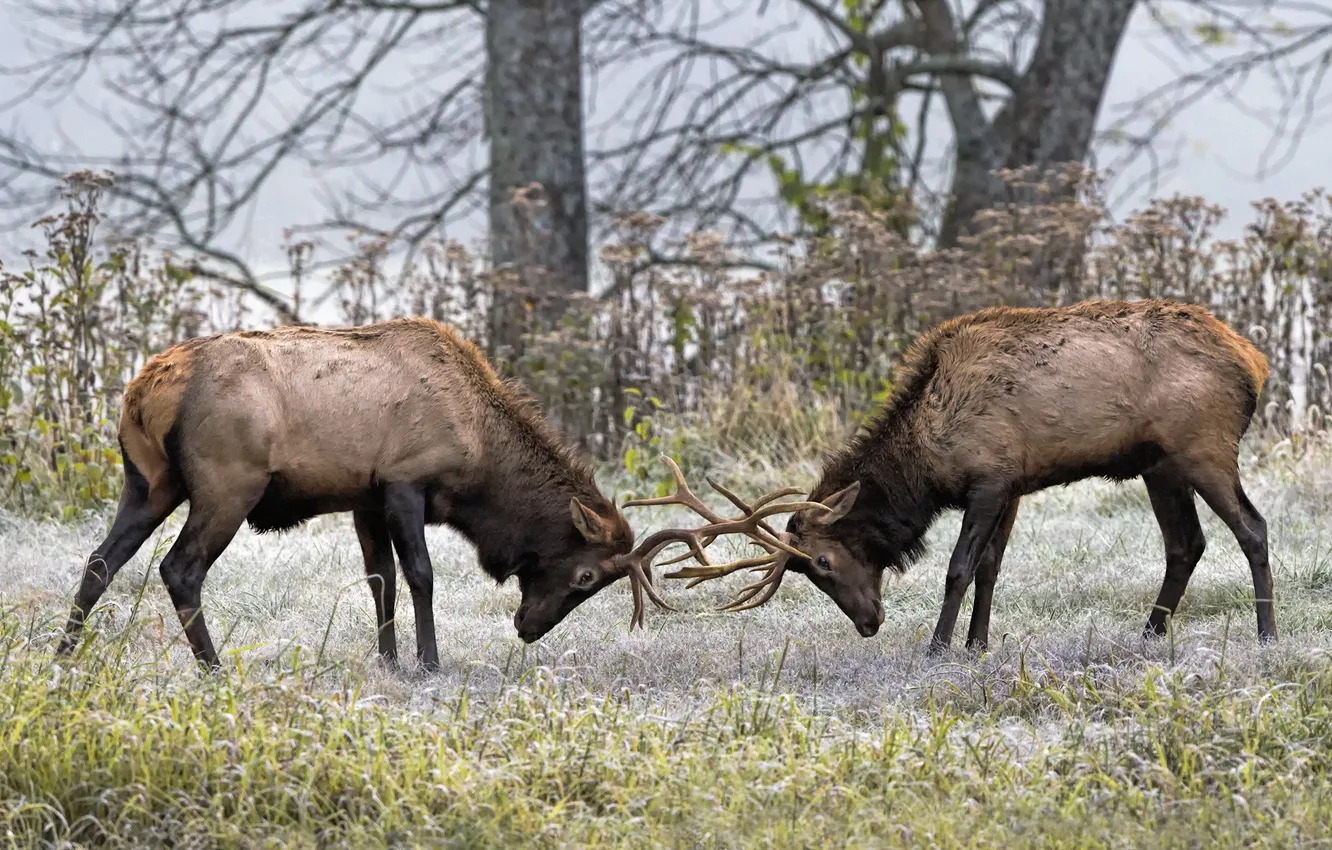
[840, 502]
[588, 522]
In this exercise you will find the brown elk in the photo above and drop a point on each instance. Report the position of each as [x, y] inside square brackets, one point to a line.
[1004, 402]
[402, 423]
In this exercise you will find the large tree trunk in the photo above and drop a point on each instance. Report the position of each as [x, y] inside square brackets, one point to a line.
[1050, 118]
[534, 113]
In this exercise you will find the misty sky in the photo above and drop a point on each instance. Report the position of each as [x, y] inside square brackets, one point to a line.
[1219, 145]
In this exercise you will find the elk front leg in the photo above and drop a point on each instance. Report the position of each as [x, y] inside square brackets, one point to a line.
[987, 505]
[404, 512]
[987, 574]
[377, 550]
[1182, 535]
[1219, 485]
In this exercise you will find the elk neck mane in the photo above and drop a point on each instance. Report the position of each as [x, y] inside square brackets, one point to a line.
[507, 398]
[548, 462]
[898, 501]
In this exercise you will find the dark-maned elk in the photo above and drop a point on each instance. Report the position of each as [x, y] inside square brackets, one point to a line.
[1004, 402]
[403, 423]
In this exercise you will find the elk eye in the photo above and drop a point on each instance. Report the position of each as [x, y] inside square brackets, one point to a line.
[823, 562]
[584, 578]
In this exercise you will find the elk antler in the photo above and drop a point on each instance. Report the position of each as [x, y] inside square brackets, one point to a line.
[773, 564]
[638, 563]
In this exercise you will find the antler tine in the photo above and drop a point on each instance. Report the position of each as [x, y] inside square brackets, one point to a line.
[758, 593]
[762, 501]
[701, 574]
[638, 563]
[709, 539]
[636, 584]
[758, 503]
[690, 554]
[774, 563]
[640, 582]
[764, 535]
[748, 526]
[682, 496]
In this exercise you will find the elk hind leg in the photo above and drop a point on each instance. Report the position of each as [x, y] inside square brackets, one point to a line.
[141, 510]
[216, 514]
[1182, 534]
[987, 574]
[377, 550]
[1219, 485]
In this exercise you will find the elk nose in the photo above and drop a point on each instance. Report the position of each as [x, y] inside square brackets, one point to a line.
[518, 618]
[869, 626]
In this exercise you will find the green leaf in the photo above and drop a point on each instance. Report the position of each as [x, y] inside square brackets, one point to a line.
[1211, 34]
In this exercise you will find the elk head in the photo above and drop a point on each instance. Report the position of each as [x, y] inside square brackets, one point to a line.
[574, 564]
[852, 581]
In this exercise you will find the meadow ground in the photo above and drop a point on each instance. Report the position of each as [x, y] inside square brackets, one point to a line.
[775, 727]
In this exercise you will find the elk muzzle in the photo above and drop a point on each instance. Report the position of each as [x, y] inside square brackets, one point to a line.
[868, 626]
[519, 618]
[534, 619]
[860, 601]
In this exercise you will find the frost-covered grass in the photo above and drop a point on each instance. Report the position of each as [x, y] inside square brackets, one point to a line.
[776, 727]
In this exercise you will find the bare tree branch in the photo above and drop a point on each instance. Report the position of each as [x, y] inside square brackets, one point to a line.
[213, 99]
[1219, 47]
[205, 108]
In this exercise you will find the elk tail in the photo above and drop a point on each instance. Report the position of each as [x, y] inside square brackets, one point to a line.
[151, 409]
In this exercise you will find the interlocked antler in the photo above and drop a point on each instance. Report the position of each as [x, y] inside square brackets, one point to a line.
[773, 564]
[638, 563]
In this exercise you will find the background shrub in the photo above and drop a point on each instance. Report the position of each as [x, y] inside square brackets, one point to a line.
[707, 359]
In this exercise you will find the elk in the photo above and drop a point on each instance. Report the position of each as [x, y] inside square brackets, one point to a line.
[404, 424]
[1000, 403]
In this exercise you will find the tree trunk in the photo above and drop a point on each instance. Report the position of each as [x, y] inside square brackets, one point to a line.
[534, 114]
[1048, 121]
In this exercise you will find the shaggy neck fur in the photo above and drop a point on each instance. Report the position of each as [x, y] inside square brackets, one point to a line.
[893, 511]
[898, 499]
[522, 509]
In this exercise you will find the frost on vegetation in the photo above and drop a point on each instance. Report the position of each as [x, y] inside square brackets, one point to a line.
[1083, 568]
[775, 727]
[780, 726]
